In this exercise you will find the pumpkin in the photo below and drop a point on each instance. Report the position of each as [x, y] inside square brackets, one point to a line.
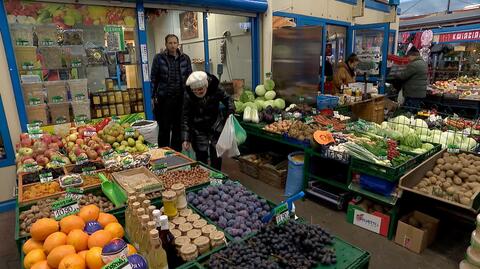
[323, 137]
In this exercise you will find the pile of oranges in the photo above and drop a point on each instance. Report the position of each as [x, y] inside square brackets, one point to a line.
[65, 244]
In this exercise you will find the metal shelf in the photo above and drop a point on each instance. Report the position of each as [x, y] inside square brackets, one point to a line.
[390, 200]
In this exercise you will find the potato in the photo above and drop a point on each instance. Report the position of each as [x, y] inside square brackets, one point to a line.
[457, 180]
[449, 180]
[447, 166]
[440, 161]
[457, 167]
[468, 193]
[469, 171]
[472, 178]
[429, 174]
[442, 174]
[476, 163]
[436, 171]
[464, 200]
[433, 180]
[450, 190]
[446, 185]
[422, 184]
[446, 154]
[424, 190]
[450, 173]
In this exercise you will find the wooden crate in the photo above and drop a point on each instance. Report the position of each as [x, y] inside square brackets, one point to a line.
[274, 175]
[371, 110]
[248, 166]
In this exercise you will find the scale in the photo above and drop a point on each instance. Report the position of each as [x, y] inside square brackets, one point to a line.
[328, 194]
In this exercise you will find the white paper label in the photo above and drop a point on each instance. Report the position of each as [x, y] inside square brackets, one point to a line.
[141, 21]
[367, 221]
[143, 48]
[282, 218]
[66, 211]
[146, 76]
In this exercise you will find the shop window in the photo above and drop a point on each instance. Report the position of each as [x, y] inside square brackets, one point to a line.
[76, 62]
[335, 48]
[229, 44]
[454, 60]
[369, 48]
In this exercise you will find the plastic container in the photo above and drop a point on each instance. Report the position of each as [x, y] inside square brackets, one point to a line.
[295, 173]
[193, 217]
[202, 243]
[120, 109]
[33, 93]
[26, 57]
[47, 35]
[78, 89]
[326, 101]
[52, 57]
[94, 34]
[81, 110]
[22, 34]
[74, 56]
[37, 113]
[56, 91]
[97, 111]
[377, 185]
[72, 180]
[60, 113]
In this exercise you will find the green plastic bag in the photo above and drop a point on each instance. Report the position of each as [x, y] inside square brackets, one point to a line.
[190, 154]
[240, 133]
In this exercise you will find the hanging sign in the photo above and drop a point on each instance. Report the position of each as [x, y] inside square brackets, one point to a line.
[146, 77]
[141, 21]
[460, 36]
[143, 48]
[115, 38]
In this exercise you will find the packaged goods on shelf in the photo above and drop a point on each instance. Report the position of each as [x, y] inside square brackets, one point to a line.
[96, 78]
[60, 112]
[81, 110]
[47, 35]
[52, 57]
[37, 113]
[78, 89]
[71, 37]
[22, 35]
[56, 91]
[26, 57]
[33, 93]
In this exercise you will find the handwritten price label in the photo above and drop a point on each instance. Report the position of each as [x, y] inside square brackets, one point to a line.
[159, 168]
[74, 194]
[64, 208]
[81, 160]
[118, 263]
[46, 177]
[282, 214]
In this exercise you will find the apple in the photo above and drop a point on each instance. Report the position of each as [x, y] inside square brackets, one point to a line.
[47, 138]
[49, 153]
[54, 146]
[42, 160]
[78, 151]
[25, 151]
[73, 137]
[92, 154]
[107, 147]
[26, 142]
[24, 136]
[60, 143]
[28, 160]
[70, 144]
[87, 139]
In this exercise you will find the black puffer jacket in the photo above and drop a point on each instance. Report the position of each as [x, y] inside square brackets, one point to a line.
[202, 120]
[159, 74]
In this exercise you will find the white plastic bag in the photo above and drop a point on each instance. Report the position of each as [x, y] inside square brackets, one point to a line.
[149, 130]
[227, 143]
[400, 98]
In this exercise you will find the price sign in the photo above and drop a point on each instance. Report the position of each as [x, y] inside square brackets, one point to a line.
[35, 133]
[309, 120]
[129, 132]
[453, 149]
[159, 168]
[118, 263]
[80, 97]
[74, 194]
[46, 177]
[57, 161]
[282, 214]
[31, 167]
[115, 119]
[81, 160]
[64, 208]
[314, 111]
[90, 131]
[107, 155]
[216, 178]
[90, 170]
[34, 101]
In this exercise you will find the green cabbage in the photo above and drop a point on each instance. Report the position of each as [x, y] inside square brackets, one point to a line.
[270, 95]
[247, 96]
[269, 85]
[401, 120]
[260, 104]
[239, 106]
[279, 103]
[419, 123]
[260, 90]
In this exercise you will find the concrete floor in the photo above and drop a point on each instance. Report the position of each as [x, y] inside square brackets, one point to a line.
[446, 252]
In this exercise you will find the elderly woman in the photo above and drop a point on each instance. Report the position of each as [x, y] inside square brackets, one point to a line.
[202, 119]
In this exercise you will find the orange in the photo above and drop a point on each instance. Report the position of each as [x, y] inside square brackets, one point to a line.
[41, 265]
[70, 223]
[54, 240]
[78, 239]
[89, 213]
[94, 258]
[42, 228]
[72, 261]
[99, 239]
[83, 254]
[104, 219]
[33, 257]
[30, 245]
[131, 250]
[115, 229]
[57, 254]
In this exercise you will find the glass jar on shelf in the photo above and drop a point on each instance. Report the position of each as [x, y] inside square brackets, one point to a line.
[127, 108]
[105, 111]
[120, 109]
[139, 94]
[125, 96]
[133, 95]
[104, 98]
[118, 97]
[111, 97]
[97, 111]
[113, 109]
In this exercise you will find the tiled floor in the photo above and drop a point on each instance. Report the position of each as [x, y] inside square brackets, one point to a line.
[446, 252]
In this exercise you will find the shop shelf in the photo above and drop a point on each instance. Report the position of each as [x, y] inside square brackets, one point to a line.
[333, 183]
[26, 57]
[388, 200]
[78, 89]
[56, 91]
[60, 113]
[381, 171]
[33, 93]
[37, 113]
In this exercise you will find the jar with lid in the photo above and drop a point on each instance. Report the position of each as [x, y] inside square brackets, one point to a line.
[132, 94]
[193, 217]
[208, 229]
[169, 200]
[217, 238]
[185, 212]
[179, 189]
[111, 97]
[171, 225]
[198, 224]
[97, 111]
[96, 99]
[127, 108]
[109, 84]
[139, 93]
[105, 111]
[181, 241]
[125, 96]
[202, 243]
[194, 234]
[185, 227]
[120, 109]
[176, 233]
[189, 252]
[139, 106]
[104, 98]
[179, 220]
[113, 109]
[118, 97]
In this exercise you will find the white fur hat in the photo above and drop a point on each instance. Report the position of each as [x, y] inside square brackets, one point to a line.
[197, 79]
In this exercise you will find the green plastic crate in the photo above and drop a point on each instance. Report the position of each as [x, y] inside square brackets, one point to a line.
[389, 173]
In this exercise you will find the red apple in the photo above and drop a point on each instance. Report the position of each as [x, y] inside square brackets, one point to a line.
[24, 136]
[54, 146]
[49, 153]
[92, 154]
[87, 139]
[79, 141]
[28, 160]
[107, 147]
[100, 151]
[42, 160]
[26, 142]
[60, 143]
[78, 151]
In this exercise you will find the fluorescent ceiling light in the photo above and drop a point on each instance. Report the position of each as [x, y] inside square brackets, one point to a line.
[474, 6]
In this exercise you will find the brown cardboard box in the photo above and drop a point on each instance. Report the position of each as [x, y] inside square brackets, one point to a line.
[413, 238]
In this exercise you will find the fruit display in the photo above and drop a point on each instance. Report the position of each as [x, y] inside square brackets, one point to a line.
[333, 123]
[34, 177]
[462, 87]
[189, 178]
[123, 138]
[279, 127]
[301, 131]
[454, 178]
[33, 154]
[70, 242]
[83, 144]
[43, 210]
[124, 161]
[292, 245]
[232, 207]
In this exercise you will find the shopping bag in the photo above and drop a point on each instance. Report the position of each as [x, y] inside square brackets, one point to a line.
[227, 142]
[240, 133]
[190, 154]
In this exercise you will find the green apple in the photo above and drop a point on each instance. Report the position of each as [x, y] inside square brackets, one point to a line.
[116, 145]
[131, 142]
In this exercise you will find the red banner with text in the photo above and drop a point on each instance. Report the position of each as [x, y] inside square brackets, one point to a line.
[460, 36]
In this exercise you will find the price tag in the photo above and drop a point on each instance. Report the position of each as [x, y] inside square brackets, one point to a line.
[309, 120]
[46, 177]
[34, 101]
[46, 43]
[31, 167]
[60, 120]
[64, 208]
[129, 132]
[35, 133]
[145, 70]
[74, 194]
[277, 117]
[159, 168]
[79, 97]
[118, 263]
[90, 131]
[90, 170]
[107, 155]
[57, 161]
[81, 160]
[314, 111]
[143, 48]
[80, 120]
[282, 214]
[115, 119]
[453, 149]
[57, 99]
[169, 152]
[141, 20]
[216, 178]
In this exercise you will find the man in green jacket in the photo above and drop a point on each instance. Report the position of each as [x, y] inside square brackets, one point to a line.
[414, 79]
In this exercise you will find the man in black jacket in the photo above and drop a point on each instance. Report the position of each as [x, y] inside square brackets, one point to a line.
[170, 70]
[203, 121]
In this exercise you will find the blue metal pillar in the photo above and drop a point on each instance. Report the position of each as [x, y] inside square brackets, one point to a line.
[255, 40]
[205, 42]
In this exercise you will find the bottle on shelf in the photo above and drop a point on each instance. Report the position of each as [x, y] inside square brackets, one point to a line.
[128, 212]
[146, 204]
[137, 229]
[152, 225]
[167, 239]
[156, 258]
[143, 235]
[150, 211]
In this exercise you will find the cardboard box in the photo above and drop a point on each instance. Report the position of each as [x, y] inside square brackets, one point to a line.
[376, 221]
[413, 238]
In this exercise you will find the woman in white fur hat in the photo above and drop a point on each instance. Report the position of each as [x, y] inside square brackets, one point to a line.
[202, 119]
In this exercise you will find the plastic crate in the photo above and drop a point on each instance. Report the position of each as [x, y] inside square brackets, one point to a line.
[422, 157]
[304, 143]
[381, 171]
[326, 101]
[56, 91]
[377, 185]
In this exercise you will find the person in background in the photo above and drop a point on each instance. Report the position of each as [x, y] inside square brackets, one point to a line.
[345, 73]
[170, 70]
[414, 79]
[202, 121]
